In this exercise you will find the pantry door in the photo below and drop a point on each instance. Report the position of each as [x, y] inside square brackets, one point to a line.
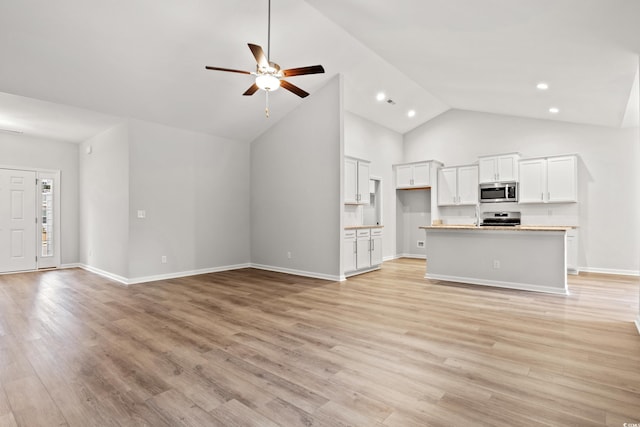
[17, 220]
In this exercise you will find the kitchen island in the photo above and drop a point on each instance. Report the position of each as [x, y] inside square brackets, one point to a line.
[532, 258]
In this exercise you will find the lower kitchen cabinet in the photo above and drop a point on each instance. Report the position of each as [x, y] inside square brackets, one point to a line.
[362, 250]
[572, 252]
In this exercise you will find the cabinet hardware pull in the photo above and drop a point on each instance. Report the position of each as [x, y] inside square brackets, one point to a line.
[355, 247]
[541, 196]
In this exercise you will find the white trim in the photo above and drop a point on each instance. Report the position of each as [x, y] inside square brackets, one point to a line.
[362, 270]
[145, 279]
[103, 273]
[179, 274]
[311, 274]
[610, 271]
[390, 258]
[498, 284]
[414, 256]
[637, 322]
[71, 265]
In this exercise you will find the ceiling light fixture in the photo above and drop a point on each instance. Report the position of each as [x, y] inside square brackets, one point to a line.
[381, 96]
[411, 113]
[554, 110]
[268, 82]
[542, 86]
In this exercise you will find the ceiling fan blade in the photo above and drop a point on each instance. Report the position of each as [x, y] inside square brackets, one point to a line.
[227, 69]
[313, 69]
[258, 53]
[293, 88]
[254, 87]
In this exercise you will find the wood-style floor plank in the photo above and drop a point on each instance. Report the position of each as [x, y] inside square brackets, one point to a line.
[256, 348]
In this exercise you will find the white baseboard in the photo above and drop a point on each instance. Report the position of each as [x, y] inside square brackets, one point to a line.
[72, 265]
[188, 273]
[120, 279]
[390, 258]
[637, 322]
[498, 284]
[414, 256]
[333, 278]
[167, 276]
[610, 271]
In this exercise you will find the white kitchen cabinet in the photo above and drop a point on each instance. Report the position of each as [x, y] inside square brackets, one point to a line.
[413, 175]
[549, 180]
[349, 250]
[362, 250]
[458, 185]
[501, 168]
[572, 251]
[376, 246]
[356, 181]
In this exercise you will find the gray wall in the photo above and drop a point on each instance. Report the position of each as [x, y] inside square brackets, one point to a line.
[609, 177]
[37, 153]
[104, 201]
[296, 187]
[195, 191]
[383, 147]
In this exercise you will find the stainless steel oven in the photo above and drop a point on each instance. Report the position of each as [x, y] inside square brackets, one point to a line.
[499, 192]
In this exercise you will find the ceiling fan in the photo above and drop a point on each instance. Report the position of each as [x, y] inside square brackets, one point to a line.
[269, 76]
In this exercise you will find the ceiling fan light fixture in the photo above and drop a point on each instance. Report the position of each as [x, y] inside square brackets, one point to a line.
[268, 82]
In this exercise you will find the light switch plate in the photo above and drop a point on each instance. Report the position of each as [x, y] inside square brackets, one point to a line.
[142, 214]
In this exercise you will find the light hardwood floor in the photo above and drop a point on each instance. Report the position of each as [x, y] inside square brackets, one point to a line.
[249, 347]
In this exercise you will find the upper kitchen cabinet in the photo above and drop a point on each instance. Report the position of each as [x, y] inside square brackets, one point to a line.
[549, 180]
[415, 175]
[501, 168]
[356, 181]
[458, 185]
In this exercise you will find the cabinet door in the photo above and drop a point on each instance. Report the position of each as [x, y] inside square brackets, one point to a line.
[363, 257]
[349, 253]
[404, 176]
[447, 186]
[421, 176]
[532, 181]
[561, 179]
[363, 183]
[468, 185]
[488, 168]
[507, 168]
[376, 250]
[350, 181]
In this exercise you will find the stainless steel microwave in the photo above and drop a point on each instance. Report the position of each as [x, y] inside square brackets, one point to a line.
[499, 192]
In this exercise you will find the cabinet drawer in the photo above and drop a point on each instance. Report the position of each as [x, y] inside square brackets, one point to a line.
[349, 234]
[376, 232]
[364, 233]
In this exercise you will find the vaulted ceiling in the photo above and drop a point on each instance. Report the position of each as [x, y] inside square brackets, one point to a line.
[73, 67]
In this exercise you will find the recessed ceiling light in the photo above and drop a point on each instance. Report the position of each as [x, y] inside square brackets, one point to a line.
[554, 110]
[411, 113]
[381, 96]
[542, 86]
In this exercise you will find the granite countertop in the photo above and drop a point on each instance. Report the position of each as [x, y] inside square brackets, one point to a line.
[358, 227]
[516, 228]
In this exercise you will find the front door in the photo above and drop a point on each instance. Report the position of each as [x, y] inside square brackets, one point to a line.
[17, 220]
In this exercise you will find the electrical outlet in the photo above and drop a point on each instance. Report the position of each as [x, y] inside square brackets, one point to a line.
[288, 255]
[420, 243]
[496, 263]
[163, 259]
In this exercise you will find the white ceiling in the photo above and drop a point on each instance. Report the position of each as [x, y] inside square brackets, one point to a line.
[145, 59]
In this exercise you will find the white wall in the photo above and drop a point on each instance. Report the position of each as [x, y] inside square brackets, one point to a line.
[608, 211]
[383, 147]
[296, 186]
[37, 153]
[104, 201]
[195, 191]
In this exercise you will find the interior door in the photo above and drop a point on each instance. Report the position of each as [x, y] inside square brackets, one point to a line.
[17, 220]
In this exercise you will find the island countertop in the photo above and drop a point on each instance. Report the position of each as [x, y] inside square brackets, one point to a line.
[501, 228]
